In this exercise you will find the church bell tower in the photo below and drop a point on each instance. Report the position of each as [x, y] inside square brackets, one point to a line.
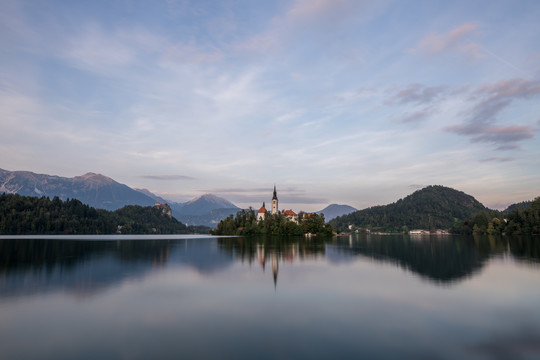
[274, 202]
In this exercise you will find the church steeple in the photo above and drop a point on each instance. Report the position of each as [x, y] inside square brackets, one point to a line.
[274, 202]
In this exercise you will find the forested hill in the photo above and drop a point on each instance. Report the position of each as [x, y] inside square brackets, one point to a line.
[433, 207]
[23, 215]
[521, 205]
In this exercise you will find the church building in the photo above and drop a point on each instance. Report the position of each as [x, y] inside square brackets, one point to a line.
[261, 214]
[274, 202]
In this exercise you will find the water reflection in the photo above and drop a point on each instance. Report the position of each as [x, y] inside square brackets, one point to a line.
[85, 268]
[344, 297]
[440, 259]
[274, 250]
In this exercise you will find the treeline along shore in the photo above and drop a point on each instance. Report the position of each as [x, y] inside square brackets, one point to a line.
[431, 209]
[26, 215]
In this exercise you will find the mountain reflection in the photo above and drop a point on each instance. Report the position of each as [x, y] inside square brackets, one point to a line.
[86, 268]
[440, 259]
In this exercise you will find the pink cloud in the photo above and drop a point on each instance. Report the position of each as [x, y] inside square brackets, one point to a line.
[456, 39]
[418, 93]
[308, 9]
[505, 136]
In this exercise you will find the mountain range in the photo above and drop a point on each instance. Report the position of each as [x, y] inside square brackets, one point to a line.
[95, 190]
[431, 207]
[102, 192]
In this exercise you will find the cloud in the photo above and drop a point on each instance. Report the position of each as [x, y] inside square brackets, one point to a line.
[495, 134]
[167, 177]
[489, 101]
[498, 159]
[497, 96]
[418, 93]
[105, 51]
[254, 195]
[289, 116]
[508, 147]
[190, 54]
[256, 44]
[236, 190]
[310, 10]
[416, 116]
[456, 39]
[297, 199]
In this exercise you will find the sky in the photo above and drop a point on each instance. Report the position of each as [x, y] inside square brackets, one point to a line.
[333, 101]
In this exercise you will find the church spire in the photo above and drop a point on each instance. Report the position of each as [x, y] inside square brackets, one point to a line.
[274, 202]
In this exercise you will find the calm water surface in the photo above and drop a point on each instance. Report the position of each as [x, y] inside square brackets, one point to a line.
[205, 297]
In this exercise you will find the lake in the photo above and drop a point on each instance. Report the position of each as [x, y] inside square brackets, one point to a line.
[373, 297]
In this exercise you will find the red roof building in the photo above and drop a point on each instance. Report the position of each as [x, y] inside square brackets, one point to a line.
[291, 215]
[261, 214]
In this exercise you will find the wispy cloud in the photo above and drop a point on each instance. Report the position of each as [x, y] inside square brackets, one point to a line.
[167, 177]
[498, 159]
[498, 135]
[493, 98]
[418, 93]
[416, 116]
[105, 51]
[489, 101]
[457, 39]
[312, 10]
[267, 92]
[183, 53]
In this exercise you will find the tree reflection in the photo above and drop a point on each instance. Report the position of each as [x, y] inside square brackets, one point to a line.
[275, 249]
[87, 267]
[440, 259]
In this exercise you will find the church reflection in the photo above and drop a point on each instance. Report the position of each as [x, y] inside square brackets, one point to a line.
[273, 250]
[442, 260]
[85, 268]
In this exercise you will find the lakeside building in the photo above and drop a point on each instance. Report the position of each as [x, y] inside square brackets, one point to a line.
[419, 232]
[290, 215]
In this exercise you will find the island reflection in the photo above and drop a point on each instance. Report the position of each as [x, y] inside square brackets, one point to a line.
[86, 268]
[442, 260]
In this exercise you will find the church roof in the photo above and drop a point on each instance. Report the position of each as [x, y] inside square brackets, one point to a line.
[289, 213]
[261, 210]
[275, 193]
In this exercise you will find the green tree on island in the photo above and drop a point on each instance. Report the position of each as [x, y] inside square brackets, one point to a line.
[245, 223]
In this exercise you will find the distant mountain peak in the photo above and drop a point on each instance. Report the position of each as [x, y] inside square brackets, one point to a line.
[206, 196]
[205, 203]
[95, 178]
[334, 210]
